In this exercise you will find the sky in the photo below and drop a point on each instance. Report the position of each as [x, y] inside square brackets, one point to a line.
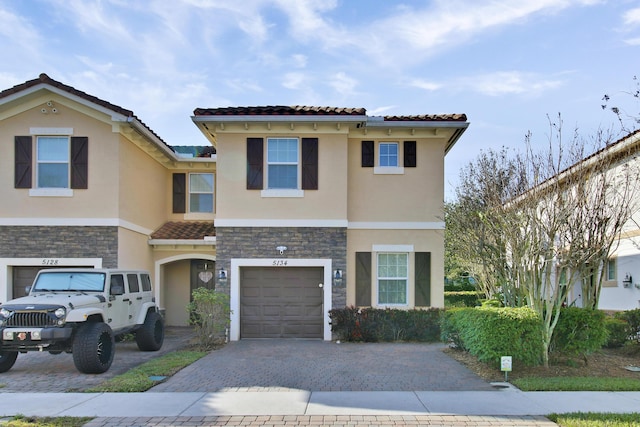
[509, 65]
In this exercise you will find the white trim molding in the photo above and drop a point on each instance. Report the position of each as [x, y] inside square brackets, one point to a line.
[76, 222]
[234, 278]
[324, 223]
[6, 280]
[51, 131]
[384, 225]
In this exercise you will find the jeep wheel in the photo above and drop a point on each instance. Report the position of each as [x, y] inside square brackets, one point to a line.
[151, 335]
[93, 348]
[7, 359]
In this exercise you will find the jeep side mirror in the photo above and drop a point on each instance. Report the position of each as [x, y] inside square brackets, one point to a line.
[27, 289]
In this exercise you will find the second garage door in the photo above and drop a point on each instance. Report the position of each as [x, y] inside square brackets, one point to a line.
[280, 302]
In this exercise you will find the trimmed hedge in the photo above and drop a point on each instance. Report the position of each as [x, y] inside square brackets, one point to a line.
[462, 298]
[489, 333]
[579, 331]
[617, 332]
[374, 324]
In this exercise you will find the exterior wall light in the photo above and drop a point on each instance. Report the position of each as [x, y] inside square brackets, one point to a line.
[281, 249]
[337, 277]
[222, 276]
[626, 282]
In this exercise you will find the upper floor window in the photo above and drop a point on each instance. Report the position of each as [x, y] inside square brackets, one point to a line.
[388, 154]
[393, 278]
[52, 162]
[282, 163]
[201, 192]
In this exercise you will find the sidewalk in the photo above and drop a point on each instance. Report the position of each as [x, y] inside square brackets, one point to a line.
[507, 406]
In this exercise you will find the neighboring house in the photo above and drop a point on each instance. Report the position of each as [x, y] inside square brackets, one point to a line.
[621, 281]
[292, 211]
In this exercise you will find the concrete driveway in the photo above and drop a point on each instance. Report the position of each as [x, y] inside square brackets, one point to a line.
[313, 365]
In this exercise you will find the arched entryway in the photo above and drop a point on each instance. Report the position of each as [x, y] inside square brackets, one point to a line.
[176, 277]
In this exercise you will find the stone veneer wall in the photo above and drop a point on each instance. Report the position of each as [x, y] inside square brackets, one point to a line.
[60, 242]
[303, 242]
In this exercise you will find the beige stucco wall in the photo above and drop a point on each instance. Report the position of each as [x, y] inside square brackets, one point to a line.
[422, 241]
[141, 179]
[99, 201]
[134, 251]
[416, 195]
[234, 201]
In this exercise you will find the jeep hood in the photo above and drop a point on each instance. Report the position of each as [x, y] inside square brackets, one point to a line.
[51, 299]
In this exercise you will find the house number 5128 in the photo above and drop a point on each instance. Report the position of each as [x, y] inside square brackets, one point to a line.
[50, 262]
[279, 262]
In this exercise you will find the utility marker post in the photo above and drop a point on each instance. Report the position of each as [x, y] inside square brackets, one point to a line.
[505, 366]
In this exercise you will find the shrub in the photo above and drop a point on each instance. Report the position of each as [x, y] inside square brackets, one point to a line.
[461, 298]
[209, 313]
[632, 317]
[579, 331]
[373, 324]
[489, 333]
[617, 332]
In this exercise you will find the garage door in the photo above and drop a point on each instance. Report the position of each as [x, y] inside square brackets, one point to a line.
[281, 302]
[23, 278]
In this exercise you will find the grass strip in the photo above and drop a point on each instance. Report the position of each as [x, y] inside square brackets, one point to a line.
[22, 421]
[138, 379]
[577, 384]
[591, 419]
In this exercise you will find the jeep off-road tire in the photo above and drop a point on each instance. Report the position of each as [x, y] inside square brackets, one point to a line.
[93, 348]
[151, 335]
[7, 360]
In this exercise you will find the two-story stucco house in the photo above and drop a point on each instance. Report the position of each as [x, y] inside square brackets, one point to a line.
[292, 211]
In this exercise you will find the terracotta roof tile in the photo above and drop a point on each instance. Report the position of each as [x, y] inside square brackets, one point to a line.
[280, 110]
[184, 230]
[428, 118]
[45, 79]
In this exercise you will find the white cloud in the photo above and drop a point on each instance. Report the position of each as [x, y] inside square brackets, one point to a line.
[509, 83]
[633, 42]
[426, 85]
[293, 80]
[632, 17]
[299, 60]
[343, 84]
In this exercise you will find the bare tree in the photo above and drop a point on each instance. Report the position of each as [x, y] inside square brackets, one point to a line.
[556, 223]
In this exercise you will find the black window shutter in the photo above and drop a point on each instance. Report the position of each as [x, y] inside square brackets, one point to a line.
[368, 154]
[423, 279]
[179, 192]
[363, 279]
[410, 154]
[309, 163]
[255, 150]
[79, 162]
[23, 162]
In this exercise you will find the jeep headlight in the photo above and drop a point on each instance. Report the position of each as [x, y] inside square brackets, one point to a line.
[5, 313]
[59, 313]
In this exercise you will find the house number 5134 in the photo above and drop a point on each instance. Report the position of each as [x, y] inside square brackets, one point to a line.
[279, 262]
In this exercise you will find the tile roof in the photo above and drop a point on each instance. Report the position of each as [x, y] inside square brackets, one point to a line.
[301, 110]
[45, 79]
[280, 110]
[184, 230]
[428, 118]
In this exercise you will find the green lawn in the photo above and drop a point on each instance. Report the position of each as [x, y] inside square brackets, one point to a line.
[577, 384]
[590, 419]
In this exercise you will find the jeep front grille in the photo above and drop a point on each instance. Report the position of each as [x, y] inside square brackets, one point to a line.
[31, 319]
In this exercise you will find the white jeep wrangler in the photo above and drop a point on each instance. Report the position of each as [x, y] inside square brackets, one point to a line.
[81, 311]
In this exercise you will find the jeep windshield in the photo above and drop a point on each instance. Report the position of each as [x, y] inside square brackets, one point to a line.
[69, 281]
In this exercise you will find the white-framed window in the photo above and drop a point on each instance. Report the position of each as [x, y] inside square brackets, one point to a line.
[610, 272]
[393, 278]
[52, 162]
[201, 192]
[283, 160]
[388, 154]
